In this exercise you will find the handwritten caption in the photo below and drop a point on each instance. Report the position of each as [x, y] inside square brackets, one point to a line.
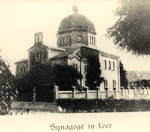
[78, 127]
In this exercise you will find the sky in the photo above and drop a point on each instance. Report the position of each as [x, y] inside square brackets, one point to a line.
[21, 19]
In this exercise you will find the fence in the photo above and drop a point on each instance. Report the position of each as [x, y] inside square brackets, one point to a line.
[137, 94]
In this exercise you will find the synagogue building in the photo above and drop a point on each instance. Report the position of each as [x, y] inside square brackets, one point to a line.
[76, 39]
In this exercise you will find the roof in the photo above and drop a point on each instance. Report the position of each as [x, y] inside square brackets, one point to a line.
[22, 61]
[108, 55]
[56, 49]
[76, 21]
[70, 50]
[39, 45]
[103, 53]
[62, 55]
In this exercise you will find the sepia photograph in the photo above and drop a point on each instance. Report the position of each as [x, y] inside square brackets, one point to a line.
[72, 65]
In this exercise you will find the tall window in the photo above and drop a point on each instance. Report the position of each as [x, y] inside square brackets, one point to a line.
[85, 68]
[94, 40]
[24, 69]
[113, 65]
[75, 66]
[21, 70]
[106, 84]
[114, 84]
[109, 65]
[17, 68]
[60, 40]
[67, 39]
[63, 39]
[90, 40]
[105, 64]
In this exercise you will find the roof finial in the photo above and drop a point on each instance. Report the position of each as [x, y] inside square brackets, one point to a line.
[75, 8]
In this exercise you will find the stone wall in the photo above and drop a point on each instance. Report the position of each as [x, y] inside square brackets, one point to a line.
[33, 107]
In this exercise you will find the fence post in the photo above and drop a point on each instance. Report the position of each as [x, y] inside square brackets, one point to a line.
[107, 92]
[122, 90]
[116, 93]
[34, 94]
[129, 93]
[73, 93]
[56, 91]
[148, 93]
[144, 90]
[87, 91]
[147, 90]
[98, 92]
[128, 90]
[134, 90]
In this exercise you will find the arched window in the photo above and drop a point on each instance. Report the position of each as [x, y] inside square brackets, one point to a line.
[94, 40]
[24, 69]
[90, 40]
[59, 40]
[63, 40]
[105, 64]
[113, 65]
[17, 67]
[21, 69]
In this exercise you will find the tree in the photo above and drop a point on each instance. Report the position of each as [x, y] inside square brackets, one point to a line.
[132, 31]
[123, 76]
[93, 78]
[65, 76]
[7, 87]
[43, 77]
[40, 78]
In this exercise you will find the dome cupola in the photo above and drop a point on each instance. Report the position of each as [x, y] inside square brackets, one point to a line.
[75, 29]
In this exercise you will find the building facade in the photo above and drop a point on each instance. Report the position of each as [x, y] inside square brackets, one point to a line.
[76, 40]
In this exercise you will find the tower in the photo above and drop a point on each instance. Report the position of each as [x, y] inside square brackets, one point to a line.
[38, 53]
[38, 38]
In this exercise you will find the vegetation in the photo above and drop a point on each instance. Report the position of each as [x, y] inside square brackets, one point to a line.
[131, 31]
[106, 105]
[93, 75]
[43, 77]
[123, 77]
[140, 83]
[7, 87]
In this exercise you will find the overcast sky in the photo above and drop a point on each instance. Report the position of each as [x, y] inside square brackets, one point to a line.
[21, 19]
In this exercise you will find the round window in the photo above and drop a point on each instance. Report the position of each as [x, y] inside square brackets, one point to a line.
[79, 38]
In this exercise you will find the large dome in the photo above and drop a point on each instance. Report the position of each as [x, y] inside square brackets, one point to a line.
[76, 21]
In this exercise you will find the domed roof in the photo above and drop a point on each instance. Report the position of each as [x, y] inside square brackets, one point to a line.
[76, 21]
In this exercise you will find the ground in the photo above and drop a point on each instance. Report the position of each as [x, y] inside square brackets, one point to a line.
[42, 122]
